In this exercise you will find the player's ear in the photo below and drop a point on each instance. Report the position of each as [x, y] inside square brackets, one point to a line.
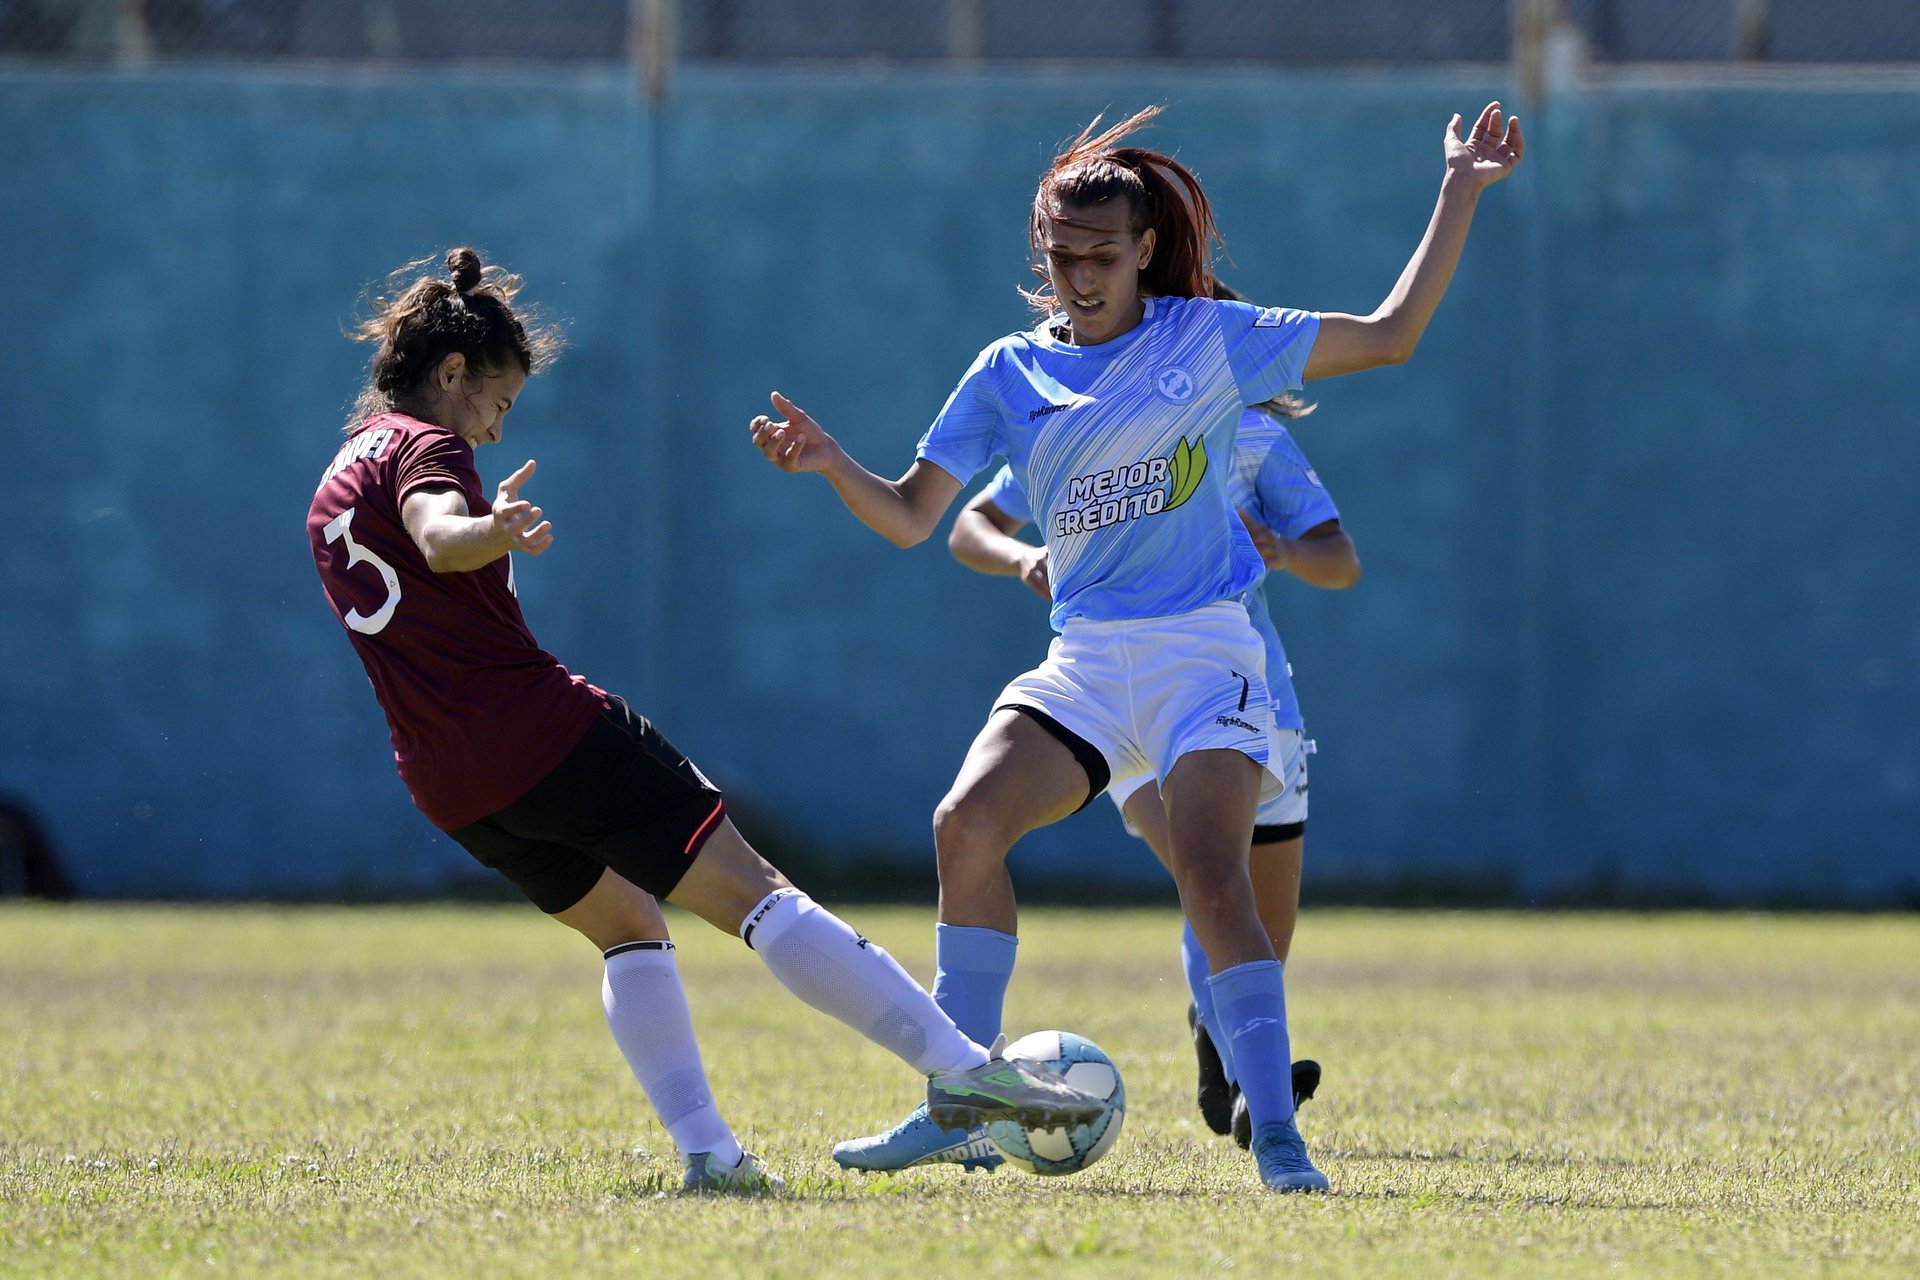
[1147, 241]
[447, 374]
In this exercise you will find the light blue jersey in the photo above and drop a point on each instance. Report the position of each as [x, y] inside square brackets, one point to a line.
[1272, 481]
[1275, 485]
[1124, 448]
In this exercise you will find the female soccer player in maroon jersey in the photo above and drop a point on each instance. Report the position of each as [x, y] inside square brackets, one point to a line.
[555, 783]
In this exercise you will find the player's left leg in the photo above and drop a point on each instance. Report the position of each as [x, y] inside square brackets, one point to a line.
[1274, 868]
[818, 957]
[1210, 798]
[1145, 817]
[1274, 865]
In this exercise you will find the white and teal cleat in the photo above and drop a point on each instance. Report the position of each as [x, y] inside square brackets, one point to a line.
[1281, 1154]
[917, 1141]
[705, 1174]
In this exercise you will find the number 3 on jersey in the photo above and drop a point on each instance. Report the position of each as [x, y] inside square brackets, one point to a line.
[340, 528]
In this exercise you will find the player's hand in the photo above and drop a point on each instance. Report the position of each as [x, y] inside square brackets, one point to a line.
[1490, 152]
[1033, 572]
[516, 521]
[1275, 551]
[795, 444]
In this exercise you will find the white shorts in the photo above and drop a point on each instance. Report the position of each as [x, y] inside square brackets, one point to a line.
[1287, 809]
[1145, 691]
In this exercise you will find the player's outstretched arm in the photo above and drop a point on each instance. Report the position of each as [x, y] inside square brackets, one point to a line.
[903, 511]
[982, 539]
[1348, 344]
[454, 541]
[1323, 556]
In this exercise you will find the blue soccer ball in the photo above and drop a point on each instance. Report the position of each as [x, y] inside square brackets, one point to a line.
[1086, 1066]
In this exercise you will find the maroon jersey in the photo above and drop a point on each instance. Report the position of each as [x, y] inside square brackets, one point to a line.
[479, 712]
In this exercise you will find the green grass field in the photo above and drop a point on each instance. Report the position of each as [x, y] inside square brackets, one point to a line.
[431, 1091]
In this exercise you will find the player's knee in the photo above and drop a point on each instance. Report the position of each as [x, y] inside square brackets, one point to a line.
[621, 928]
[728, 880]
[966, 834]
[1212, 894]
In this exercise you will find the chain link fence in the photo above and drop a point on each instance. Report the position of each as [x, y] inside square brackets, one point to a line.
[1294, 33]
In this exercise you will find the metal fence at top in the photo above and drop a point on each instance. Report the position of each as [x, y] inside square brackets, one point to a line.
[1304, 33]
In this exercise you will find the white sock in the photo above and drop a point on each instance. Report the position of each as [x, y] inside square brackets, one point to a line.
[818, 958]
[647, 1013]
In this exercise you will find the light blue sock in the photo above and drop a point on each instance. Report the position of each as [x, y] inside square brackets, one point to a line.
[1251, 1001]
[972, 967]
[1193, 959]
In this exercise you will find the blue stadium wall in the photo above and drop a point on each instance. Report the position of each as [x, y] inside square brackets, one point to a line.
[1640, 619]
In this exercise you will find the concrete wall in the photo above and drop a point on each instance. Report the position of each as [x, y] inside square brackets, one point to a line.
[1640, 614]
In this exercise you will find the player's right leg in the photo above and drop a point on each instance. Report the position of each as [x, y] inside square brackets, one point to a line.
[1019, 774]
[647, 1012]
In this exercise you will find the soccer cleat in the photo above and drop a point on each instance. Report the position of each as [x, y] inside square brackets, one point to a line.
[1306, 1079]
[917, 1141]
[1008, 1089]
[1281, 1156]
[1216, 1092]
[705, 1173]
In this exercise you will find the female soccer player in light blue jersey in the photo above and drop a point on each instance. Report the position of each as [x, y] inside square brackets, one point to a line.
[1296, 526]
[1109, 413]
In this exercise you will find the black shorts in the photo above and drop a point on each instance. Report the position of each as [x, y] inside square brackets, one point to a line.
[623, 799]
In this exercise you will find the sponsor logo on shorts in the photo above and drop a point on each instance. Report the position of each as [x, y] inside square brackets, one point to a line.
[1234, 721]
[1046, 409]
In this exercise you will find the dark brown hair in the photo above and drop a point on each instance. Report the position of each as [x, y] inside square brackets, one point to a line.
[422, 317]
[1160, 192]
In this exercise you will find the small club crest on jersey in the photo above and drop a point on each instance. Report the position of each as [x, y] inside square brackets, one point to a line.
[1174, 384]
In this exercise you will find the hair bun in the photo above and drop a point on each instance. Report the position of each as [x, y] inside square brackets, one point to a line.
[464, 265]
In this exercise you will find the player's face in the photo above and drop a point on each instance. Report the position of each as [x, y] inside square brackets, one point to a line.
[475, 404]
[1094, 261]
